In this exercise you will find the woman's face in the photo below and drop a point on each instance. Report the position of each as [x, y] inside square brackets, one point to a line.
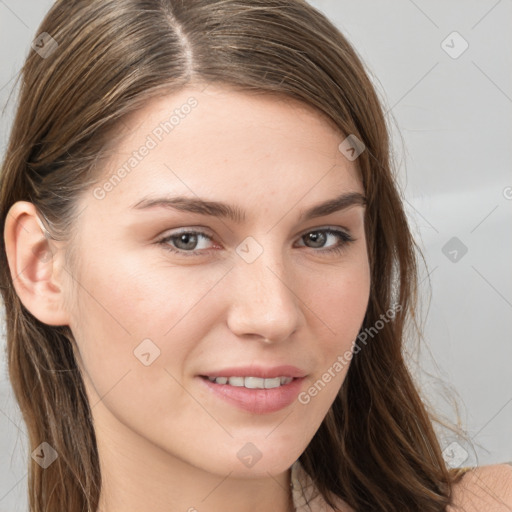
[253, 286]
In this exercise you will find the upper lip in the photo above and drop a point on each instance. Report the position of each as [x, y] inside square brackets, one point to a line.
[258, 371]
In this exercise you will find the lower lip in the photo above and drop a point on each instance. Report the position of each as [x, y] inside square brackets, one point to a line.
[257, 401]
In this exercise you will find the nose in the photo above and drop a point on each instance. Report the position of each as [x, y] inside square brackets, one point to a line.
[264, 304]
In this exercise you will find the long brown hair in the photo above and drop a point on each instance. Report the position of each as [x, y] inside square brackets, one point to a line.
[376, 448]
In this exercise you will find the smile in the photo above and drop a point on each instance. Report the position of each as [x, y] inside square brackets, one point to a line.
[252, 382]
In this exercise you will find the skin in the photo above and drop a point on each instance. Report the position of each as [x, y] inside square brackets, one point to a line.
[165, 441]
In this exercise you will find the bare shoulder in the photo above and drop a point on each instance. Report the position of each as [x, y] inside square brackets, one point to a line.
[484, 489]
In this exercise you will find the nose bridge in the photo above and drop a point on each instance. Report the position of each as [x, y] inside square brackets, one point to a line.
[263, 301]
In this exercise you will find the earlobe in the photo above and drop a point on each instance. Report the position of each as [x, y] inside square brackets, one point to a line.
[34, 262]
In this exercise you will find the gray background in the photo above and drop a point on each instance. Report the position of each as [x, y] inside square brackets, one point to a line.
[451, 126]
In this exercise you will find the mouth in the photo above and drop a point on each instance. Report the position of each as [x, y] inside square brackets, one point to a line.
[251, 382]
[253, 389]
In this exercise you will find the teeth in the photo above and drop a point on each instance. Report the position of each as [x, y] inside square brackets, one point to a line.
[272, 383]
[236, 381]
[252, 382]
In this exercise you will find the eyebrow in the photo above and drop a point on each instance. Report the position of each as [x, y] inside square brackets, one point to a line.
[236, 214]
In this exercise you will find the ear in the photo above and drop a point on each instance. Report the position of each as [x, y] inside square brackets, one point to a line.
[34, 260]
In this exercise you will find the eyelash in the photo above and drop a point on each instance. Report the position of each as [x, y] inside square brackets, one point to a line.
[343, 236]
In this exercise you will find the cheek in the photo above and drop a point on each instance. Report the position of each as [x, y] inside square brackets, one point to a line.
[135, 334]
[337, 302]
[137, 297]
[338, 298]
[126, 308]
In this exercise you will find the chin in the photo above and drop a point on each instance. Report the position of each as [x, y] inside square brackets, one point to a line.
[246, 460]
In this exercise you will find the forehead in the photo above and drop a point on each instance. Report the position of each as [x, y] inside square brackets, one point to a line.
[223, 143]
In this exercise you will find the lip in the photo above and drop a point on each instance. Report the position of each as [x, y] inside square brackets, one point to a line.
[258, 371]
[256, 401]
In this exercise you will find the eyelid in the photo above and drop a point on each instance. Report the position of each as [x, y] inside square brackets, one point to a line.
[325, 227]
